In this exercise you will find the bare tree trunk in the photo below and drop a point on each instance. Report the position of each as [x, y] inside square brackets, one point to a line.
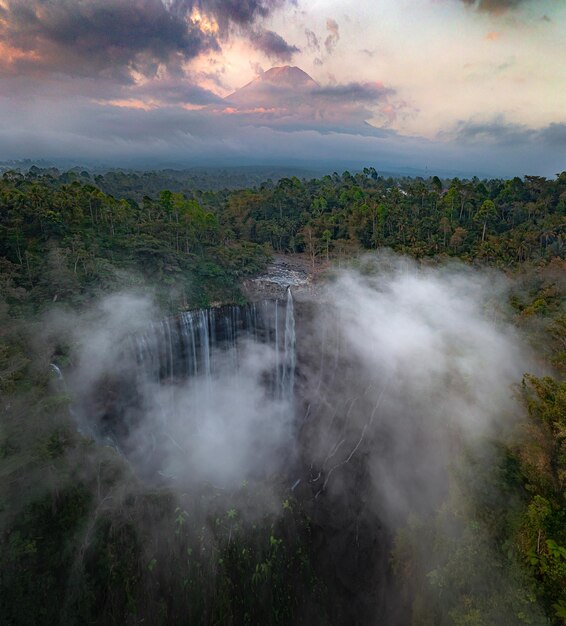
[28, 268]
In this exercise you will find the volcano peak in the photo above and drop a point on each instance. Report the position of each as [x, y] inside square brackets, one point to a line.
[286, 74]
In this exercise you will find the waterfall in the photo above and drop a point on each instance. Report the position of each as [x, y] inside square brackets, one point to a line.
[195, 343]
[289, 356]
[174, 382]
[277, 359]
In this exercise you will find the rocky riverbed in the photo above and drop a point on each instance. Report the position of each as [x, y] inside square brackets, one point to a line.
[285, 271]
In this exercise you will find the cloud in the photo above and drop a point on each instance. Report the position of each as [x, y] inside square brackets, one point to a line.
[122, 39]
[354, 92]
[257, 68]
[243, 13]
[554, 134]
[412, 361]
[438, 367]
[272, 45]
[494, 6]
[498, 131]
[129, 53]
[166, 90]
[334, 37]
[99, 38]
[222, 424]
[81, 132]
[312, 40]
[330, 42]
[170, 91]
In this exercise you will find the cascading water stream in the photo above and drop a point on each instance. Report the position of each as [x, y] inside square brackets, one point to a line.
[194, 381]
[195, 343]
[289, 358]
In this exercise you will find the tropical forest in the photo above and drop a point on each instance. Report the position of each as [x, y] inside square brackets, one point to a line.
[300, 400]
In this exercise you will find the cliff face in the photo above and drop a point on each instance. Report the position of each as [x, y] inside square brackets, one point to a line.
[172, 373]
[310, 388]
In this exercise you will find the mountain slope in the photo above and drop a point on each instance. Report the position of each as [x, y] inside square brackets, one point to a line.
[276, 82]
[286, 97]
[279, 86]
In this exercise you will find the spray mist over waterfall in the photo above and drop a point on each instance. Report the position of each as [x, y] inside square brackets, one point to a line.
[390, 360]
[199, 344]
[408, 364]
[205, 395]
[356, 402]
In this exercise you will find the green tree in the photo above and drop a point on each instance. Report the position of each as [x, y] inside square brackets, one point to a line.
[486, 214]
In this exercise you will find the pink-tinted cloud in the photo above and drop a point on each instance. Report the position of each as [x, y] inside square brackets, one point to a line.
[289, 98]
[333, 37]
[122, 39]
[99, 38]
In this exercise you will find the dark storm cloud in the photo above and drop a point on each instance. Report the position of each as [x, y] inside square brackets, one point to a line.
[240, 12]
[354, 92]
[99, 37]
[494, 6]
[272, 45]
[110, 38]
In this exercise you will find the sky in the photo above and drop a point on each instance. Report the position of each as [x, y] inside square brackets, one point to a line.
[456, 87]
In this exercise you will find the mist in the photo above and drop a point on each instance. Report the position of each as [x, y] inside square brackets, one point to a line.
[398, 364]
[107, 136]
[417, 363]
[224, 423]
[224, 429]
[403, 373]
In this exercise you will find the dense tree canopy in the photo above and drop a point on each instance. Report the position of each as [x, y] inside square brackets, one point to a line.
[56, 231]
[66, 237]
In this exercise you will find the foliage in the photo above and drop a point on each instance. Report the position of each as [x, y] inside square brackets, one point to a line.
[82, 542]
[496, 551]
[62, 236]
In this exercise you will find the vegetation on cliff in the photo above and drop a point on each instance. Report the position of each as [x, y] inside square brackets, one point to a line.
[82, 540]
